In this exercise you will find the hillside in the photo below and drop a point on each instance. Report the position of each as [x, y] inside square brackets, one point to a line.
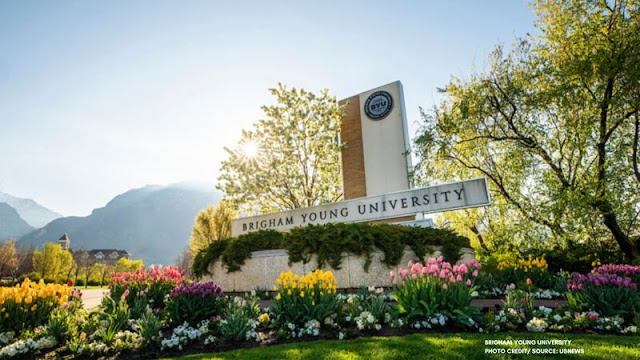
[152, 223]
[33, 213]
[11, 224]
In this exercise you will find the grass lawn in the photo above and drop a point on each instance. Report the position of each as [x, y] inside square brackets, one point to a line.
[437, 346]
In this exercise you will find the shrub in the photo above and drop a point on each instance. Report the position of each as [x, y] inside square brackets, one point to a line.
[62, 325]
[149, 285]
[422, 292]
[367, 309]
[29, 304]
[194, 302]
[149, 327]
[240, 322]
[330, 242]
[300, 299]
[608, 294]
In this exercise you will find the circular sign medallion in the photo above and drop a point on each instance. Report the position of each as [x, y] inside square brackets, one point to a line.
[378, 105]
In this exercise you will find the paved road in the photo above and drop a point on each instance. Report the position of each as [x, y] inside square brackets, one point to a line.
[91, 297]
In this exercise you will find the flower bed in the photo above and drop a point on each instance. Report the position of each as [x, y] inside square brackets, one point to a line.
[29, 304]
[434, 296]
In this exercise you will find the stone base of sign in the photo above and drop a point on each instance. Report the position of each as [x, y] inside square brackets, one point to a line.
[264, 267]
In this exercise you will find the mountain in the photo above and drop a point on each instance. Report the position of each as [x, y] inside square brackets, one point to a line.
[32, 212]
[153, 223]
[11, 224]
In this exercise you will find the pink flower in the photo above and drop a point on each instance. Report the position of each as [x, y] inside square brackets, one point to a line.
[463, 268]
[392, 274]
[443, 274]
[440, 259]
[403, 273]
[394, 281]
[459, 278]
[469, 282]
[475, 273]
[452, 280]
[444, 286]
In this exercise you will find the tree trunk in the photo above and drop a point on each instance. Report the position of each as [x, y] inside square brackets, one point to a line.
[475, 230]
[611, 222]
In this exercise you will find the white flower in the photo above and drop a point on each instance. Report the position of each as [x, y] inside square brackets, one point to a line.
[537, 325]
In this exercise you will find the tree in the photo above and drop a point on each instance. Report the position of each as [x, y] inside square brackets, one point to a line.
[184, 261]
[102, 269]
[52, 261]
[8, 258]
[66, 265]
[291, 159]
[84, 262]
[211, 224]
[25, 260]
[126, 265]
[553, 126]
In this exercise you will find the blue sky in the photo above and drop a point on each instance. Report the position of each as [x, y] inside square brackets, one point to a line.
[98, 97]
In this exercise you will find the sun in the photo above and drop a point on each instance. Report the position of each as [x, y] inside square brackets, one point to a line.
[250, 149]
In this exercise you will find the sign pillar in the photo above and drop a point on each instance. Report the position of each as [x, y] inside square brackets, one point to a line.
[376, 159]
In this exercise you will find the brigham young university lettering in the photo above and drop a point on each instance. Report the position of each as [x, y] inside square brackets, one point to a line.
[463, 194]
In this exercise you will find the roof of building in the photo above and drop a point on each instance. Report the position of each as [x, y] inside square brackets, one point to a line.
[108, 251]
[93, 252]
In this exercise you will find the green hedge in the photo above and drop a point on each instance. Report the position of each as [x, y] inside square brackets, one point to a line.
[330, 243]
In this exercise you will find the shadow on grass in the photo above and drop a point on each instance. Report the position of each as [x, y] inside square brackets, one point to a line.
[435, 346]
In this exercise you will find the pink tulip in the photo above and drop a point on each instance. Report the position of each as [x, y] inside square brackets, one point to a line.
[444, 286]
[392, 274]
[469, 282]
[463, 269]
[475, 273]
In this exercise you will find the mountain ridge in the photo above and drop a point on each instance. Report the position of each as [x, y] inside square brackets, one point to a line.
[153, 222]
[29, 210]
[11, 224]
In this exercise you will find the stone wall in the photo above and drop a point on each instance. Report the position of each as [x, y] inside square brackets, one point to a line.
[264, 267]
